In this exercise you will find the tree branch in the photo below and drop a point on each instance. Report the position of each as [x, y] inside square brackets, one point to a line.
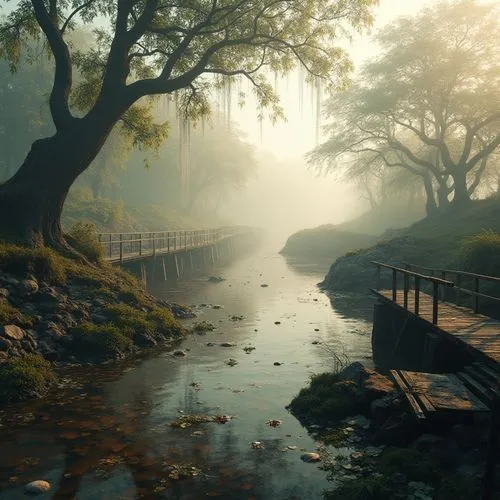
[61, 87]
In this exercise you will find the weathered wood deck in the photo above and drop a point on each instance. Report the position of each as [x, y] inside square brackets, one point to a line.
[478, 332]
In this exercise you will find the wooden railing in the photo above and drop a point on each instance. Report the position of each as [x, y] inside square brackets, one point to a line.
[408, 275]
[127, 246]
[459, 278]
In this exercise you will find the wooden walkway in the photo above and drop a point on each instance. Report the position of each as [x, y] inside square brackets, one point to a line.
[480, 333]
[122, 247]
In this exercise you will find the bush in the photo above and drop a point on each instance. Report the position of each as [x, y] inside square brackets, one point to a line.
[23, 261]
[21, 378]
[83, 238]
[100, 342]
[326, 399]
[481, 254]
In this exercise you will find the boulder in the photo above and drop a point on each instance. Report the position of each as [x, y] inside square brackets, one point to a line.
[3, 357]
[4, 293]
[37, 487]
[13, 332]
[373, 384]
[28, 287]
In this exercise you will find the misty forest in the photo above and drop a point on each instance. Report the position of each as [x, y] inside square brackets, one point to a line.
[250, 249]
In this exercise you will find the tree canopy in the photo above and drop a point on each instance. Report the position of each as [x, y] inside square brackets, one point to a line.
[144, 48]
[429, 103]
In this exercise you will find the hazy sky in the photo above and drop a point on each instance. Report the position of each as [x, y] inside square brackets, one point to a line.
[298, 134]
[287, 196]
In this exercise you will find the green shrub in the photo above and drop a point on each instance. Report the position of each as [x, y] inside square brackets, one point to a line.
[481, 254]
[83, 238]
[131, 318]
[100, 342]
[44, 263]
[9, 314]
[21, 378]
[327, 399]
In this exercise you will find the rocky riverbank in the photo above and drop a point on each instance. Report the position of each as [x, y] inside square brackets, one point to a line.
[374, 449]
[56, 311]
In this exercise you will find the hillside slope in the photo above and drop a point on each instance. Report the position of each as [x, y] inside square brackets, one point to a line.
[435, 241]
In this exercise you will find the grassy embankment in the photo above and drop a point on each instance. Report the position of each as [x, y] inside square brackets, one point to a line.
[464, 238]
[67, 311]
[332, 241]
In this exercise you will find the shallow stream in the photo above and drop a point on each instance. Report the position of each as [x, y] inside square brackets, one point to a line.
[110, 436]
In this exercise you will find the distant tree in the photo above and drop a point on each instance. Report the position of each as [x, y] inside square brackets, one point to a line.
[152, 47]
[221, 163]
[430, 103]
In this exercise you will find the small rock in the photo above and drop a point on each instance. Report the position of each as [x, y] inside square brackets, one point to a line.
[4, 293]
[277, 322]
[226, 344]
[231, 362]
[291, 447]
[315, 342]
[257, 445]
[216, 306]
[310, 457]
[264, 285]
[27, 287]
[277, 363]
[179, 353]
[3, 357]
[210, 344]
[215, 279]
[37, 487]
[316, 329]
[5, 344]
[13, 332]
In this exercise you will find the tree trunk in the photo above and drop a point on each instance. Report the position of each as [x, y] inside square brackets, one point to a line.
[430, 202]
[461, 193]
[31, 202]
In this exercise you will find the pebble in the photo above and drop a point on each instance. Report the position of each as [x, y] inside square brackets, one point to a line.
[37, 487]
[179, 353]
[310, 457]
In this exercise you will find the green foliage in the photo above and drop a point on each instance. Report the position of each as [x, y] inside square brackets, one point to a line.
[83, 238]
[43, 263]
[480, 254]
[100, 342]
[102, 212]
[21, 378]
[327, 399]
[157, 321]
[424, 105]
[9, 314]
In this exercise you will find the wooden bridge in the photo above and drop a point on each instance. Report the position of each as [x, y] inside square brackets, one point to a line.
[166, 254]
[454, 349]
[122, 247]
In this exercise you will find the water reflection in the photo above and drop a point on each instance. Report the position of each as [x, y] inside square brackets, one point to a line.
[111, 437]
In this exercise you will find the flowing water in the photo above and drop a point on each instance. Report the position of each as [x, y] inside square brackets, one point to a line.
[110, 436]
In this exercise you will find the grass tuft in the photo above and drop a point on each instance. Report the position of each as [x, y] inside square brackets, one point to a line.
[22, 378]
[83, 238]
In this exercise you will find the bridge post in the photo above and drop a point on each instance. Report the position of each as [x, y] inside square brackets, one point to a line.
[417, 295]
[435, 299]
[394, 285]
[154, 245]
[476, 297]
[121, 247]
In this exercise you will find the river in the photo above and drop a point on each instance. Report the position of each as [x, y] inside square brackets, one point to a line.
[109, 435]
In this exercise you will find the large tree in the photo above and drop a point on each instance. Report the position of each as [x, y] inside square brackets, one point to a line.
[146, 48]
[429, 103]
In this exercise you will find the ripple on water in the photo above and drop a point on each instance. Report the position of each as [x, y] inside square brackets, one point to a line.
[110, 435]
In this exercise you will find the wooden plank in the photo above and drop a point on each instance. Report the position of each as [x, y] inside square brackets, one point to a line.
[482, 392]
[406, 391]
[477, 332]
[444, 391]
